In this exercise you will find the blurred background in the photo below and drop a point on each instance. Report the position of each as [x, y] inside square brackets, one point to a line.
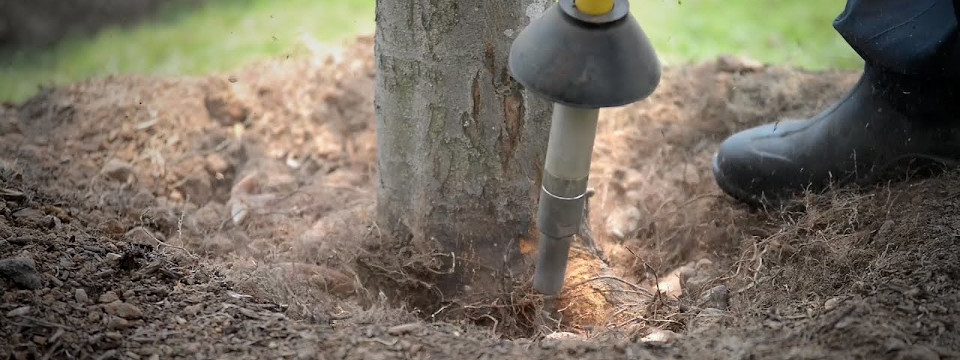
[54, 42]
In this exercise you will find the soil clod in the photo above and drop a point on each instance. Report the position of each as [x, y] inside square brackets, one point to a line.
[123, 310]
[80, 295]
[717, 297]
[108, 297]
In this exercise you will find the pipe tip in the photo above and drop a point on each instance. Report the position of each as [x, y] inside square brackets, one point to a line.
[552, 257]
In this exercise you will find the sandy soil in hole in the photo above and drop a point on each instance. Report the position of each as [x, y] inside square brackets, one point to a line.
[225, 216]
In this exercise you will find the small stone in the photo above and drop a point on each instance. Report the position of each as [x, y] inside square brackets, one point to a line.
[21, 271]
[623, 222]
[40, 340]
[404, 329]
[717, 297]
[917, 353]
[707, 318]
[12, 195]
[238, 210]
[686, 272]
[141, 236]
[117, 170]
[894, 344]
[117, 323]
[193, 309]
[81, 296]
[124, 310]
[31, 216]
[912, 292]
[108, 297]
[112, 228]
[66, 263]
[113, 257]
[661, 337]
[562, 335]
[832, 303]
[565, 341]
[28, 214]
[20, 311]
[845, 322]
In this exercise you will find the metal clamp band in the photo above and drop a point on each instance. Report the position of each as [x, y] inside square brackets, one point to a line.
[559, 217]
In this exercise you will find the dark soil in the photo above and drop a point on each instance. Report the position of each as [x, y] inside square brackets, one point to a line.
[229, 217]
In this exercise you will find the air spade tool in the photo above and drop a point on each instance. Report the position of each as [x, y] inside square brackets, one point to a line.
[582, 55]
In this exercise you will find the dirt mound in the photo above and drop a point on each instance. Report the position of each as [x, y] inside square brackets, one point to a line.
[229, 216]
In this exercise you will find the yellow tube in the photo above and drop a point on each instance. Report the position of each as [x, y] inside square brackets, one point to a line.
[594, 7]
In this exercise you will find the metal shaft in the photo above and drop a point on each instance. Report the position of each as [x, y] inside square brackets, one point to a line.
[565, 176]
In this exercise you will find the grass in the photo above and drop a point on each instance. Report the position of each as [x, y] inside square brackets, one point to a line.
[224, 34]
[786, 32]
[218, 35]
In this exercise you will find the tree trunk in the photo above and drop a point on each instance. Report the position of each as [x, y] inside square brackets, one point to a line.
[460, 154]
[460, 143]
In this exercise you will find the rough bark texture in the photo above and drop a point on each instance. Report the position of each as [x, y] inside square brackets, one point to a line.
[460, 143]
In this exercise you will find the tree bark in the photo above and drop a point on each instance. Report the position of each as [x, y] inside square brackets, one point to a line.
[460, 143]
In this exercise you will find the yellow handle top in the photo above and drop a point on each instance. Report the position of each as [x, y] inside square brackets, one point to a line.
[594, 7]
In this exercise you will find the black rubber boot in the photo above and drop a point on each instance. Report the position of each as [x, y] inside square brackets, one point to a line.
[886, 125]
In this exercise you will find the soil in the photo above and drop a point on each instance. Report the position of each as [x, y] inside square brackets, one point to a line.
[230, 216]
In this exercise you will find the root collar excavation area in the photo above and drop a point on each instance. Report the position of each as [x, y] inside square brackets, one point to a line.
[233, 216]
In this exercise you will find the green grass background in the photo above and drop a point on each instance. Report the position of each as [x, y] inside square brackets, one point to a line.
[225, 34]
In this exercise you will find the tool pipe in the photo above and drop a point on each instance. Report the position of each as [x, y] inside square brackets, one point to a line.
[563, 193]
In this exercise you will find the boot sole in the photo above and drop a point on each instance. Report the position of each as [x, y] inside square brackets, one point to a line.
[750, 199]
[734, 191]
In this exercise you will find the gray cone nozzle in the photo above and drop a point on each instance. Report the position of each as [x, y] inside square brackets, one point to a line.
[582, 63]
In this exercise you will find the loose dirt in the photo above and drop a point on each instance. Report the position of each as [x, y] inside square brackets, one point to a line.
[231, 217]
